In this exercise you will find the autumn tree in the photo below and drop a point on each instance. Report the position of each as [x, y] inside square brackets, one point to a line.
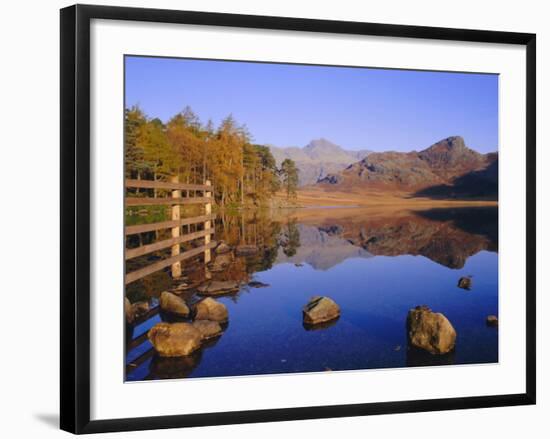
[157, 154]
[183, 134]
[228, 169]
[260, 173]
[240, 171]
[134, 161]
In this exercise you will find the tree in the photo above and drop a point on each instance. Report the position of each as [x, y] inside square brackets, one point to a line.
[228, 169]
[183, 133]
[289, 174]
[157, 154]
[239, 170]
[134, 162]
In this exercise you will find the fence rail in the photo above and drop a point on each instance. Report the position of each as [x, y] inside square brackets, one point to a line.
[175, 200]
[160, 245]
[156, 266]
[148, 201]
[153, 184]
[151, 227]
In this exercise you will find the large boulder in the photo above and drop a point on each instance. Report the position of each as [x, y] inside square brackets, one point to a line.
[218, 287]
[211, 309]
[319, 310]
[173, 304]
[208, 328]
[430, 331]
[246, 250]
[174, 339]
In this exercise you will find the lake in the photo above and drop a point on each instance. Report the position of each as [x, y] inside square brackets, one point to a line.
[375, 264]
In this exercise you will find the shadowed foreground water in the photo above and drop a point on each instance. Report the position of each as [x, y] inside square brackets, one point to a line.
[376, 266]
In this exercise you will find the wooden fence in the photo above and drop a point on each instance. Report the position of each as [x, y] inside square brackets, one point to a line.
[180, 194]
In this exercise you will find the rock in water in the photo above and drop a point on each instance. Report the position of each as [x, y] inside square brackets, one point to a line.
[174, 339]
[207, 328]
[211, 309]
[140, 308]
[492, 320]
[174, 367]
[465, 283]
[173, 304]
[257, 284]
[246, 250]
[430, 331]
[222, 248]
[128, 311]
[320, 309]
[182, 287]
[218, 287]
[221, 262]
[134, 310]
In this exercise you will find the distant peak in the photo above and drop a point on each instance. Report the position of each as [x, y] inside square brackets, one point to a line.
[452, 142]
[321, 142]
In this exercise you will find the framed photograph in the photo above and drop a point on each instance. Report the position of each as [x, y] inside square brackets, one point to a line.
[268, 218]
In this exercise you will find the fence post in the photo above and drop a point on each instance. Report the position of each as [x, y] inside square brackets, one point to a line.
[176, 267]
[208, 223]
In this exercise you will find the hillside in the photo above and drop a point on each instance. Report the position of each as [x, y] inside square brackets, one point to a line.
[447, 169]
[318, 159]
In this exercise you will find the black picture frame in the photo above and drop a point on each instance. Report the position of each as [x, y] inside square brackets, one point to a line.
[75, 217]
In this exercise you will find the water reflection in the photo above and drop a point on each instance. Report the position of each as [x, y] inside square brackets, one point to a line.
[339, 252]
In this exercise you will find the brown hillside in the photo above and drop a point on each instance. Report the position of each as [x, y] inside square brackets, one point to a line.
[448, 167]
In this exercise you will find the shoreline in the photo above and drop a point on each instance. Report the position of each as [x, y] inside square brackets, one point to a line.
[316, 199]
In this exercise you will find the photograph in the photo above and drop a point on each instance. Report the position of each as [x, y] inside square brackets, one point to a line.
[293, 218]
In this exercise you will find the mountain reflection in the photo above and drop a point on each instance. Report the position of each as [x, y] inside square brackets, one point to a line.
[323, 238]
[446, 236]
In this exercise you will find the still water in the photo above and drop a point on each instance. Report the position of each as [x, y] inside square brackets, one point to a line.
[376, 265]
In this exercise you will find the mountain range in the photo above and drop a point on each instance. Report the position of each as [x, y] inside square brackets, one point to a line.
[446, 169]
[318, 159]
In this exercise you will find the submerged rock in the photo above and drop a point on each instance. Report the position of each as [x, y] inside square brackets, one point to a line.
[246, 250]
[211, 309]
[182, 287]
[319, 310]
[134, 310]
[492, 320]
[222, 248]
[430, 331]
[174, 367]
[218, 287]
[128, 311]
[207, 328]
[140, 308]
[257, 284]
[173, 304]
[174, 339]
[320, 326]
[465, 283]
[221, 262]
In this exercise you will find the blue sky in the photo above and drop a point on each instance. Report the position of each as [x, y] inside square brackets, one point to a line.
[289, 105]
